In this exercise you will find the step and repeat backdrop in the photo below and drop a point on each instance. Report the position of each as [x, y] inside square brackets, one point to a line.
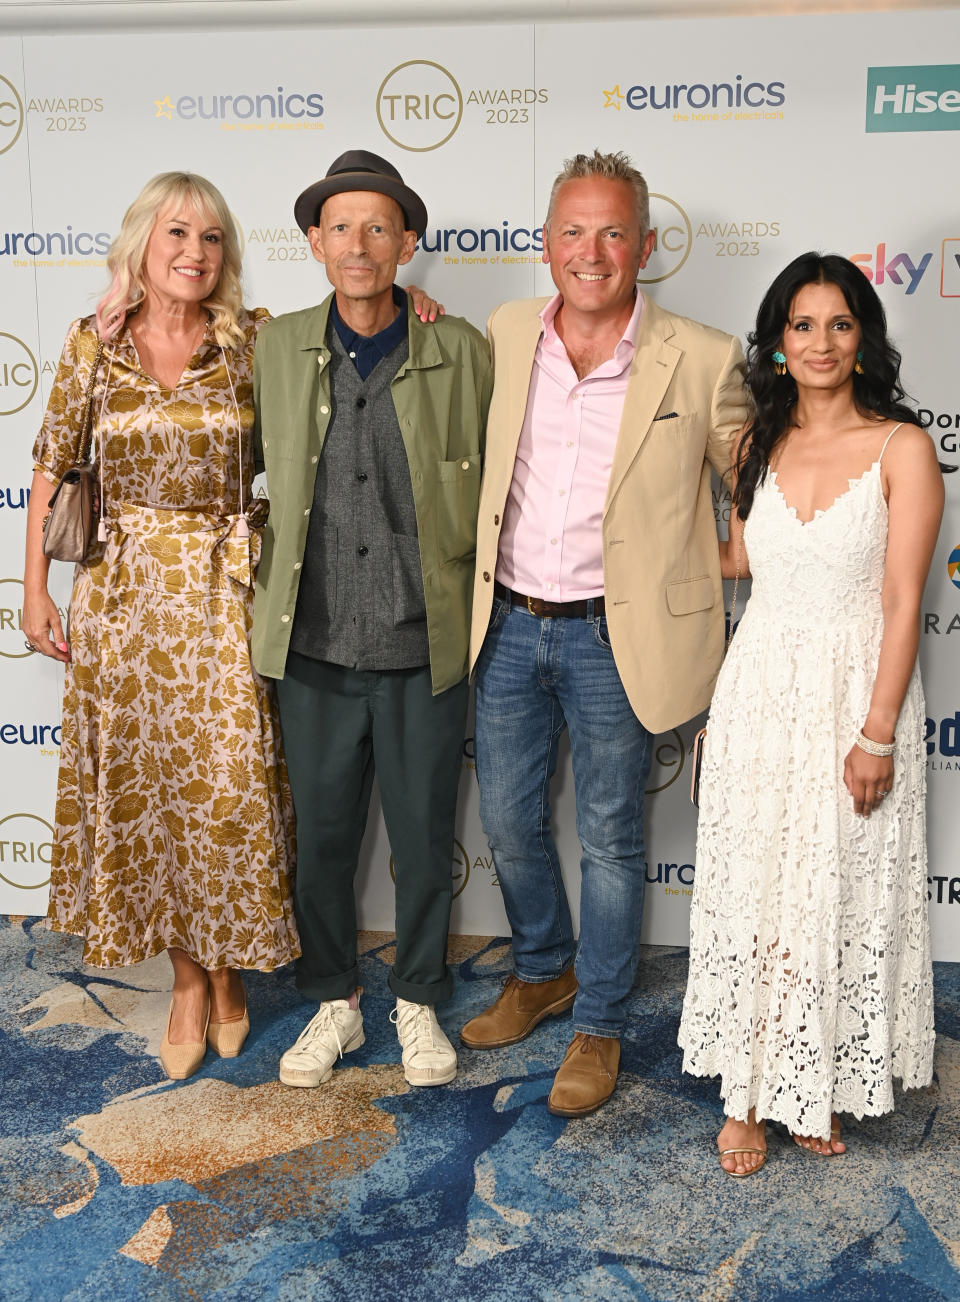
[760, 138]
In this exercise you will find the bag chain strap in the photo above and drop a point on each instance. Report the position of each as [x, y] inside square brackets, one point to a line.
[86, 423]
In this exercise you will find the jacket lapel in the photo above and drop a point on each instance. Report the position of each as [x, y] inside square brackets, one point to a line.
[514, 361]
[651, 371]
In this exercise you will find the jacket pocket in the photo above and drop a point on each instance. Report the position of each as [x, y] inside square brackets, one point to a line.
[458, 502]
[317, 600]
[409, 603]
[686, 596]
[676, 425]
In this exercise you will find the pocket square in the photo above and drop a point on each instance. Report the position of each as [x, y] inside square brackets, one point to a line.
[667, 415]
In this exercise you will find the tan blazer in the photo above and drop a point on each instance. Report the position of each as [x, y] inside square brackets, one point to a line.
[684, 404]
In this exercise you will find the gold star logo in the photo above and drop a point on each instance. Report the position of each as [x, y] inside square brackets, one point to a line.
[613, 97]
[165, 108]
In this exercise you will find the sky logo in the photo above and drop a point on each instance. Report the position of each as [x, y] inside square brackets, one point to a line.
[900, 268]
[921, 97]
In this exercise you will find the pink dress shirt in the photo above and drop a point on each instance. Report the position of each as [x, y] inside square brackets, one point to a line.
[551, 543]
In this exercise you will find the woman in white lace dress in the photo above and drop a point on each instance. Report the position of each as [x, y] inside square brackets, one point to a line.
[810, 983]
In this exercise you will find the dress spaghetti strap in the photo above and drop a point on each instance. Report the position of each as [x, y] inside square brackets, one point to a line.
[887, 440]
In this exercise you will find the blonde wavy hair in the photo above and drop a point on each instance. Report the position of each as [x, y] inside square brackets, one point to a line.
[126, 255]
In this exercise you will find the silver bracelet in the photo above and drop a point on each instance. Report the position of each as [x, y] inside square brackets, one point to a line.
[882, 748]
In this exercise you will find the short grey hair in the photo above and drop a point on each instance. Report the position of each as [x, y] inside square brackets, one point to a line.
[613, 167]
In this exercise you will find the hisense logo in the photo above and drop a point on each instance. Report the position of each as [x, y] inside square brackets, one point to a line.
[914, 98]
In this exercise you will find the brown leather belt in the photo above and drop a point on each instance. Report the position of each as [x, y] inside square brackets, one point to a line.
[552, 609]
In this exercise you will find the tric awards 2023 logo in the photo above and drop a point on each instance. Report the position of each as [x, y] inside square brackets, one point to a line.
[12, 641]
[420, 105]
[11, 115]
[914, 97]
[19, 374]
[673, 240]
[26, 849]
[459, 874]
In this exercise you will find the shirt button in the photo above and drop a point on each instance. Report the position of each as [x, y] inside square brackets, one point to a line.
[486, 576]
[314, 460]
[563, 492]
[324, 410]
[353, 355]
[320, 361]
[464, 465]
[361, 402]
[496, 519]
[362, 476]
[361, 551]
[284, 619]
[297, 564]
[569, 443]
[553, 542]
[307, 511]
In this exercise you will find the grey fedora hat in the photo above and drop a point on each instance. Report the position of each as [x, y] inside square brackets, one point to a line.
[358, 169]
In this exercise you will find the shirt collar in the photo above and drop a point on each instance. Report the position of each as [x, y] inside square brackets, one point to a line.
[384, 341]
[628, 340]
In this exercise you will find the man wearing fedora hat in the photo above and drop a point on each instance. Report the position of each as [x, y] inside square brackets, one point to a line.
[370, 428]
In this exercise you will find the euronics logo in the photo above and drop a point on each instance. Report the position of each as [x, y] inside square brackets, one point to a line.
[921, 97]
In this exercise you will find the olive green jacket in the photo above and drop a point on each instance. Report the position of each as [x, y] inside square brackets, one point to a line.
[441, 394]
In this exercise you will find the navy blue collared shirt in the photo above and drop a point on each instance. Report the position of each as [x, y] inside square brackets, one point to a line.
[365, 351]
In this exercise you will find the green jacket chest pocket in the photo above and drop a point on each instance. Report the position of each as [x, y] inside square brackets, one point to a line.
[456, 507]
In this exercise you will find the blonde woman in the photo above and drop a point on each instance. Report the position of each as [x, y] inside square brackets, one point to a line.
[174, 823]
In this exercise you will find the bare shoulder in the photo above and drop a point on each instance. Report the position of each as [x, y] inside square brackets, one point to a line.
[909, 444]
[910, 468]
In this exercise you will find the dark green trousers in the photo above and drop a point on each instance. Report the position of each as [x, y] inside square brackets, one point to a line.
[339, 726]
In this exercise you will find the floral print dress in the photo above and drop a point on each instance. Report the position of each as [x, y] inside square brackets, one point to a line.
[174, 820]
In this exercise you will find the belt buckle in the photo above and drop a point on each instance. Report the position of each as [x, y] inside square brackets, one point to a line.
[530, 601]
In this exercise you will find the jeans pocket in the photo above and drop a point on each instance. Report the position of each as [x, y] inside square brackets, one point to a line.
[497, 613]
[600, 631]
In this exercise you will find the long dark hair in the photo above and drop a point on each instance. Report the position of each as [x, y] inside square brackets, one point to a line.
[876, 393]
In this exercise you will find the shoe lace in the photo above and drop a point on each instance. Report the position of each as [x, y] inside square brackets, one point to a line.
[319, 1026]
[414, 1023]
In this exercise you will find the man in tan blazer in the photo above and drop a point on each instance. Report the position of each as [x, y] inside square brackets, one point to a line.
[598, 604]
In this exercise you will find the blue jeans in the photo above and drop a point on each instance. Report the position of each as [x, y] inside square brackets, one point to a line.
[536, 677]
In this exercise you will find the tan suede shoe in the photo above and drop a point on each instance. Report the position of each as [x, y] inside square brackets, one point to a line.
[587, 1076]
[520, 1007]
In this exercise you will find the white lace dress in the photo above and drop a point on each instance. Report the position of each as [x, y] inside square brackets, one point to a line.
[810, 983]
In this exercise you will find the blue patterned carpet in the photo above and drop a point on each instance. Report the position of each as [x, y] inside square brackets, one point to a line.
[117, 1184]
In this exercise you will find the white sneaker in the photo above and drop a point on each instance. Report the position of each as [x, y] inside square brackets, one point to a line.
[428, 1056]
[335, 1030]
